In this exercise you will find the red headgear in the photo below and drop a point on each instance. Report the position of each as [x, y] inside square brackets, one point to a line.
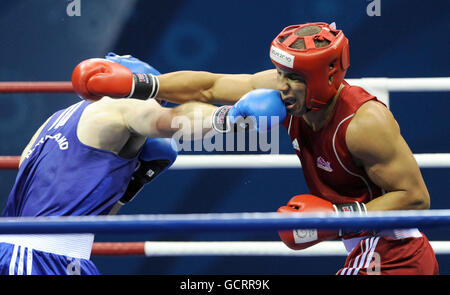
[315, 65]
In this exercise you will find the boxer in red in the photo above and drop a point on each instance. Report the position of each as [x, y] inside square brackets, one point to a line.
[353, 155]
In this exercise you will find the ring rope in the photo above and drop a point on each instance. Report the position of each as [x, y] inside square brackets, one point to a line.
[390, 84]
[249, 161]
[228, 248]
[215, 222]
[36, 87]
[404, 84]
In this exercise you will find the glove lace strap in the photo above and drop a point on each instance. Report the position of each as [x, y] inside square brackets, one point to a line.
[350, 207]
[145, 86]
[342, 209]
[219, 120]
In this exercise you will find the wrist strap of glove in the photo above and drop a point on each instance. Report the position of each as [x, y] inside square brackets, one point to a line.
[145, 86]
[219, 119]
[222, 123]
[342, 209]
[350, 207]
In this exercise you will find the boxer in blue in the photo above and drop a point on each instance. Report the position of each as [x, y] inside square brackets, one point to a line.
[96, 155]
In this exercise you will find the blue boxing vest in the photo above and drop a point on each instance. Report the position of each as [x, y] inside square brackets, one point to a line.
[61, 176]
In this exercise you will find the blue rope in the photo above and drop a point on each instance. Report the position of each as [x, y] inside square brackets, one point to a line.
[230, 222]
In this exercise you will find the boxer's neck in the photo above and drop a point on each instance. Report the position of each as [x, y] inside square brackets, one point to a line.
[317, 119]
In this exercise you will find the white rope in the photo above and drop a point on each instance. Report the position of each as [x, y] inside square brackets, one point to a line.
[246, 161]
[329, 248]
[404, 84]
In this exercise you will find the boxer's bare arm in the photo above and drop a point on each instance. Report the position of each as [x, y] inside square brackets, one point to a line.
[374, 139]
[183, 86]
[148, 118]
[109, 124]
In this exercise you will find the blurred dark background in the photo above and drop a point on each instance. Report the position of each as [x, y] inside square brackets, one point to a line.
[41, 42]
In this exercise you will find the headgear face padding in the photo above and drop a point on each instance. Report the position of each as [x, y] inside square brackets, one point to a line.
[317, 66]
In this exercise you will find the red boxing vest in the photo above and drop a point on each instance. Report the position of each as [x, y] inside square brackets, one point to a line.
[327, 164]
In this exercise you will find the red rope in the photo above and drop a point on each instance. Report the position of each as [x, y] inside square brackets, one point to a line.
[36, 87]
[118, 249]
[9, 162]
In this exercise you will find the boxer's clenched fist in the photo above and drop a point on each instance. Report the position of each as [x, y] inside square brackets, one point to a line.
[303, 238]
[96, 77]
[257, 105]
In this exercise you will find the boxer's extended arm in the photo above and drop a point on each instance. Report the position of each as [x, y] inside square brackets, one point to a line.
[200, 118]
[149, 119]
[95, 78]
[183, 86]
[373, 138]
[109, 123]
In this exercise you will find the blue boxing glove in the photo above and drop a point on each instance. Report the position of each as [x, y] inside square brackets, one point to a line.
[261, 108]
[136, 66]
[156, 156]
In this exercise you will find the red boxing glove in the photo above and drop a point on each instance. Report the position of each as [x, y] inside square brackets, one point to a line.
[96, 77]
[303, 238]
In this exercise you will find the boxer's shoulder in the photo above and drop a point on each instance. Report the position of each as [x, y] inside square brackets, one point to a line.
[371, 118]
[371, 129]
[101, 126]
